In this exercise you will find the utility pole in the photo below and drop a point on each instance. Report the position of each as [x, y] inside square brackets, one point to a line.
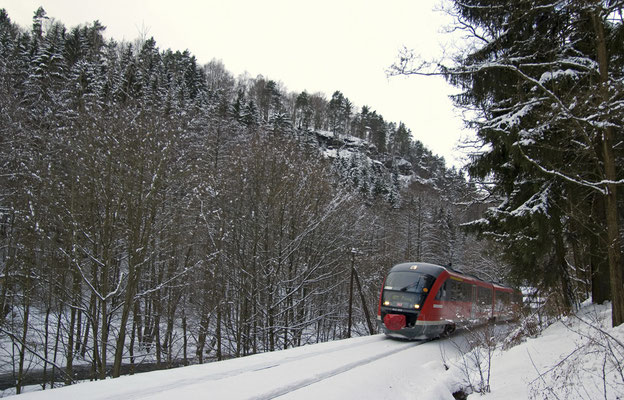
[364, 306]
[354, 276]
[351, 292]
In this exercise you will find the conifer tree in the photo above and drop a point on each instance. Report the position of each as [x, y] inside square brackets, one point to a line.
[545, 79]
[402, 139]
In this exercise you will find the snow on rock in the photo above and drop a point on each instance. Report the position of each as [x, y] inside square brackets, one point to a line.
[403, 166]
[328, 140]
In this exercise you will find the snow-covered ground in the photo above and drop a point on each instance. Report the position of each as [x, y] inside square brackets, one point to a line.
[571, 359]
[579, 357]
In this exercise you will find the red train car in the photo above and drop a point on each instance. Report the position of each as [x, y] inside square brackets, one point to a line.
[421, 300]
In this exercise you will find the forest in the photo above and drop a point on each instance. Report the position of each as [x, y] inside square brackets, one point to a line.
[155, 210]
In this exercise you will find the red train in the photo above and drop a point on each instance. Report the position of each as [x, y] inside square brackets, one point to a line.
[421, 301]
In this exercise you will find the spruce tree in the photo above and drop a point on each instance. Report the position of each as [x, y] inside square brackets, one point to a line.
[545, 80]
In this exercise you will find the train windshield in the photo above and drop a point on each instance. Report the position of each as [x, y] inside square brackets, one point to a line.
[406, 289]
[409, 282]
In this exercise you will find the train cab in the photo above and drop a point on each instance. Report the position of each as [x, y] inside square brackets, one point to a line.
[406, 298]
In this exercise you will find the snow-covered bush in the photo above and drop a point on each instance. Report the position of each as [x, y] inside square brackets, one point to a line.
[477, 346]
[594, 369]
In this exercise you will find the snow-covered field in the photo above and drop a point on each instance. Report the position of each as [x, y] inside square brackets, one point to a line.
[571, 359]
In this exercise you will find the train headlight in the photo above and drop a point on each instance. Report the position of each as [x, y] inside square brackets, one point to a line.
[386, 303]
[417, 306]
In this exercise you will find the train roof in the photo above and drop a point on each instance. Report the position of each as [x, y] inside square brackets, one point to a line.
[435, 270]
[431, 269]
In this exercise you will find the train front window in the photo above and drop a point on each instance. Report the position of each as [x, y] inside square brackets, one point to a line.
[414, 282]
[406, 289]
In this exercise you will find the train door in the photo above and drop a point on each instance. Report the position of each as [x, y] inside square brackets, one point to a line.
[473, 306]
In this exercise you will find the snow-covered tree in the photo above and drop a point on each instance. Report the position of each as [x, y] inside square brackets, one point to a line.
[544, 81]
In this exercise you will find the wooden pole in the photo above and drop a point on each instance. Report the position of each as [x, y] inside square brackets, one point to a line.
[366, 313]
[351, 295]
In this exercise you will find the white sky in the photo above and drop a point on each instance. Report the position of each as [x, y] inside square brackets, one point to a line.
[318, 46]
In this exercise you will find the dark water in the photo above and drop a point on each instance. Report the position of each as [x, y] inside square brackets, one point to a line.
[81, 372]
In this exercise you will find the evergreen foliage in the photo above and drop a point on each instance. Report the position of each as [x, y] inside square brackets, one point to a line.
[545, 81]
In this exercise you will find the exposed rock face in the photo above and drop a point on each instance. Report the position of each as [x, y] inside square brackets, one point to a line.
[402, 165]
[328, 140]
[373, 173]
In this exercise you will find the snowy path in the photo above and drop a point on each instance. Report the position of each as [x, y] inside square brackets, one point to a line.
[368, 367]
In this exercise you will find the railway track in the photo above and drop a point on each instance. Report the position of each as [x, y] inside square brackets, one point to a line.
[296, 385]
[292, 373]
[261, 362]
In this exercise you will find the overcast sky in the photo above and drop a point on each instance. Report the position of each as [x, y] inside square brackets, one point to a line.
[318, 46]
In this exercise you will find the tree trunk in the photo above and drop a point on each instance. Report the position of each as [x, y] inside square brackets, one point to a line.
[615, 268]
[56, 346]
[564, 273]
[184, 336]
[103, 340]
[610, 175]
[7, 282]
[69, 368]
[218, 333]
[350, 311]
[201, 337]
[78, 332]
[169, 342]
[125, 314]
[96, 350]
[204, 322]
[598, 258]
[73, 326]
[158, 346]
[138, 319]
[46, 344]
[132, 340]
[22, 350]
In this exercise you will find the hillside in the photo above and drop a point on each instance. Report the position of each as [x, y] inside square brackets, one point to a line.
[153, 209]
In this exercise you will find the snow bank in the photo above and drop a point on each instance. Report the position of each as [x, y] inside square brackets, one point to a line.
[578, 357]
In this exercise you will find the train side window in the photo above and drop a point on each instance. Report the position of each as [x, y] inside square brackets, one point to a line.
[458, 291]
[488, 296]
[467, 292]
[450, 290]
[441, 292]
[484, 296]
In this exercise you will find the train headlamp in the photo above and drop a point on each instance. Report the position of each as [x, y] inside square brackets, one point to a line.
[417, 306]
[386, 303]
